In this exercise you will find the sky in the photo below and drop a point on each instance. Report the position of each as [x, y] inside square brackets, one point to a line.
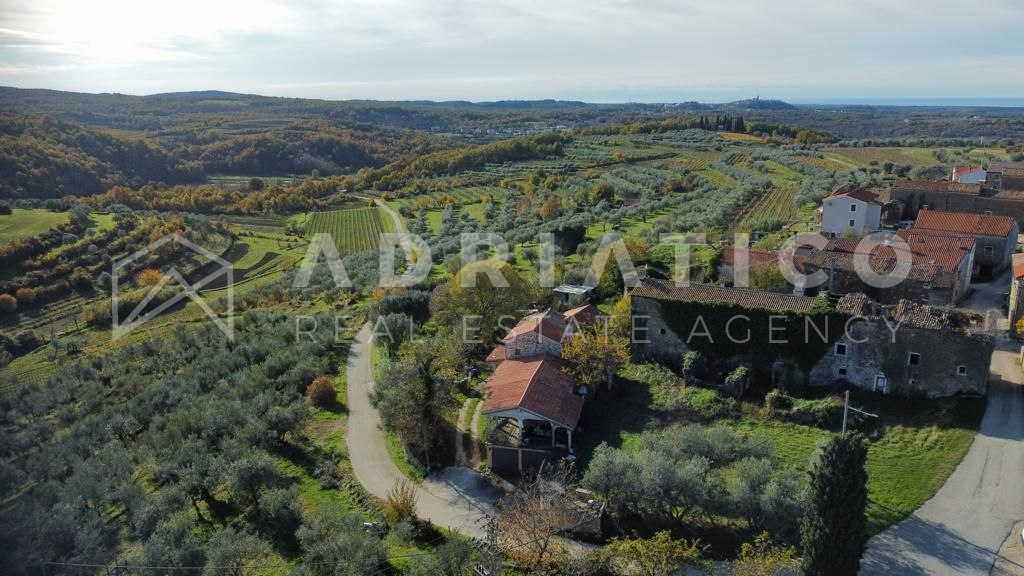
[482, 50]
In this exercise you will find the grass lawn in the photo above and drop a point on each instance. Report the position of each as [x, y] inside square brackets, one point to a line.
[913, 446]
[25, 223]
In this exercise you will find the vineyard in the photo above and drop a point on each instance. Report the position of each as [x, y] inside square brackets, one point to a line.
[353, 230]
[775, 205]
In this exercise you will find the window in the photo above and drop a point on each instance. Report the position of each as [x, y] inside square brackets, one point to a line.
[961, 370]
[914, 359]
[853, 207]
[840, 349]
[842, 371]
[988, 250]
[881, 383]
[853, 223]
[661, 331]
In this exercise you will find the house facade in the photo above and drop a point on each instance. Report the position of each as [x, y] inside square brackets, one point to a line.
[1016, 304]
[995, 236]
[1002, 193]
[851, 210]
[907, 348]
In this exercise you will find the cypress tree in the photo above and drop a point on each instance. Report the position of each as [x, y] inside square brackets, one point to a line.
[833, 531]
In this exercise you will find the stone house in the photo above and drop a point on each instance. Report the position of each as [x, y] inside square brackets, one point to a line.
[849, 210]
[940, 272]
[1002, 193]
[996, 236]
[934, 351]
[654, 339]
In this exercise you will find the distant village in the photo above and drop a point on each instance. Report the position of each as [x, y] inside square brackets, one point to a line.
[915, 338]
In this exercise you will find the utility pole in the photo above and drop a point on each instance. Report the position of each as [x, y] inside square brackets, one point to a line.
[847, 408]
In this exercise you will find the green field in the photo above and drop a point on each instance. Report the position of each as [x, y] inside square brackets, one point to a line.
[24, 223]
[354, 230]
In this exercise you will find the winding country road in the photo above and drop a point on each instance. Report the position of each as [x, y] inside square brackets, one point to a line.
[967, 528]
[456, 498]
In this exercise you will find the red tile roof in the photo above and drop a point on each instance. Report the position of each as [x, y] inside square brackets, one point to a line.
[964, 223]
[666, 290]
[548, 324]
[939, 186]
[857, 194]
[496, 355]
[583, 315]
[536, 385]
[942, 249]
[959, 171]
[754, 257]
[907, 313]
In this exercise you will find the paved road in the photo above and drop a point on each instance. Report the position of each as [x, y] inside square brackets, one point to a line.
[960, 531]
[456, 498]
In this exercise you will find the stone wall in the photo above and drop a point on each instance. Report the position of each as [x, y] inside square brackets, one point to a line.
[531, 344]
[664, 345]
[942, 355]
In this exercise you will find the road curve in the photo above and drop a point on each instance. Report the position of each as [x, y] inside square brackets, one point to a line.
[959, 531]
[456, 498]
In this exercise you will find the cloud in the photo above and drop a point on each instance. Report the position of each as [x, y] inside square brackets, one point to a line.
[490, 49]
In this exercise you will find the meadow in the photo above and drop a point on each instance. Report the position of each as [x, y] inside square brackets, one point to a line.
[24, 223]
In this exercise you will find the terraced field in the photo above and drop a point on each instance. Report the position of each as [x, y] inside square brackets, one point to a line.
[354, 230]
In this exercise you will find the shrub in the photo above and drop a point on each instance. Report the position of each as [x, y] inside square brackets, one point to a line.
[824, 413]
[705, 405]
[25, 295]
[321, 392]
[148, 277]
[8, 303]
[401, 502]
[777, 401]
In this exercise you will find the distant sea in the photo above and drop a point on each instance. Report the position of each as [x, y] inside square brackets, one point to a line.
[953, 102]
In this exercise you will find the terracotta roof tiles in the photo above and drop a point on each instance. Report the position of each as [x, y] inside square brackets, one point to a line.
[964, 223]
[536, 385]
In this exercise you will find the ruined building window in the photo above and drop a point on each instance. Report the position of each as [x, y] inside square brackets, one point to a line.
[842, 371]
[840, 349]
[988, 250]
[853, 223]
[661, 331]
[853, 207]
[961, 370]
[914, 359]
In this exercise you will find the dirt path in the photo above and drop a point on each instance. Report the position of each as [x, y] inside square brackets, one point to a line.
[456, 498]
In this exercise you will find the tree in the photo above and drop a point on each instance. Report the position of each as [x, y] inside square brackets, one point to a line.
[25, 295]
[592, 357]
[8, 303]
[550, 207]
[530, 519]
[335, 544]
[602, 191]
[834, 529]
[485, 311]
[234, 553]
[660, 555]
[255, 184]
[769, 278]
[321, 392]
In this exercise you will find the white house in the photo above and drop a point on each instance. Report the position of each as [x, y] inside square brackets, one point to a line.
[851, 209]
[969, 174]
